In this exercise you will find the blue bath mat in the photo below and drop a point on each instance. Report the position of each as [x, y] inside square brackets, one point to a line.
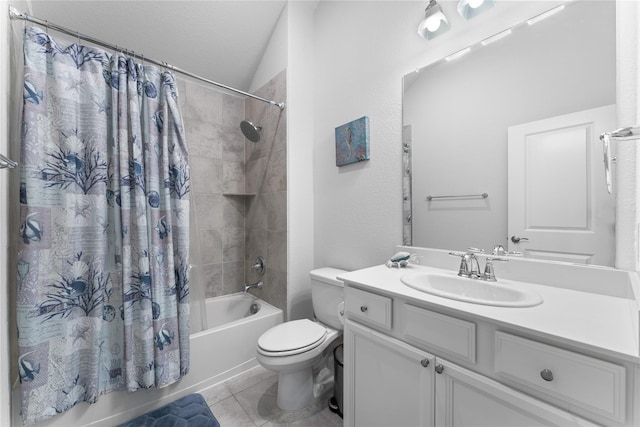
[189, 411]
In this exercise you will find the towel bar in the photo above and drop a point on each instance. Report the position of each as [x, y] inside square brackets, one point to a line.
[483, 195]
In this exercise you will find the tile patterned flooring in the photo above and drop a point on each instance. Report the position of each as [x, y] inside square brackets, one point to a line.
[249, 400]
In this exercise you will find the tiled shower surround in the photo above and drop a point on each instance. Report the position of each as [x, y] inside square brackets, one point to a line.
[233, 229]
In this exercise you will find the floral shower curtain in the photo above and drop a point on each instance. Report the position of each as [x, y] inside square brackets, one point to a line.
[103, 283]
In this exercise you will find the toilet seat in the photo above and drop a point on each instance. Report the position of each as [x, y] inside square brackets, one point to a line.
[294, 337]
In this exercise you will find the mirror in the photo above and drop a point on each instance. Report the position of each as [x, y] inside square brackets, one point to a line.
[457, 116]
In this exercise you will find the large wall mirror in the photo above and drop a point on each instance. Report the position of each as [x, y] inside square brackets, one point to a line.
[503, 140]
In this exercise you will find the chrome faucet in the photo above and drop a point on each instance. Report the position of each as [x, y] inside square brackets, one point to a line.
[259, 284]
[470, 267]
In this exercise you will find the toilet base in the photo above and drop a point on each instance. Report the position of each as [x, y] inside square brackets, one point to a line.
[295, 389]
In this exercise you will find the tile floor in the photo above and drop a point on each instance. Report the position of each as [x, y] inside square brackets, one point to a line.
[249, 400]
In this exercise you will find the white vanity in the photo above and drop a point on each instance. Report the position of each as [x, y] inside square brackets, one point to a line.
[413, 358]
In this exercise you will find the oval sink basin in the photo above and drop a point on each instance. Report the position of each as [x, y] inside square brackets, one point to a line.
[471, 290]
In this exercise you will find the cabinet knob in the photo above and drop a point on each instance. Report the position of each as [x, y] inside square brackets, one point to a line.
[363, 308]
[424, 363]
[546, 375]
[439, 369]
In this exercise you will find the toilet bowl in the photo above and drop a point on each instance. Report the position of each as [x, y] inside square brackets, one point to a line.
[294, 348]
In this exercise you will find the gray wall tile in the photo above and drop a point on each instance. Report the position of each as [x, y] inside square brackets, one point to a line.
[233, 230]
[233, 273]
[233, 180]
[203, 103]
[233, 244]
[265, 174]
[206, 175]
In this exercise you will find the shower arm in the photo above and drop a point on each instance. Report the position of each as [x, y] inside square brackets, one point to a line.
[16, 14]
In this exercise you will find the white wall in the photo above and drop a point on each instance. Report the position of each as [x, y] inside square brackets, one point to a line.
[626, 188]
[363, 49]
[300, 125]
[274, 58]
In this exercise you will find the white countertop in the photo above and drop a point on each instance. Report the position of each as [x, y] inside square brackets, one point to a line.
[600, 323]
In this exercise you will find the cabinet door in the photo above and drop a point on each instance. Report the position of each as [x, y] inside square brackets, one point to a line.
[464, 398]
[387, 382]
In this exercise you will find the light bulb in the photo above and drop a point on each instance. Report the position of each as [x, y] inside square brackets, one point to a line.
[433, 22]
[475, 3]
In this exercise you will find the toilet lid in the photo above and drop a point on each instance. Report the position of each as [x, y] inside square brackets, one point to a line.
[294, 335]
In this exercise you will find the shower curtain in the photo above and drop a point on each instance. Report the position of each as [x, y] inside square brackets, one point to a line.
[103, 277]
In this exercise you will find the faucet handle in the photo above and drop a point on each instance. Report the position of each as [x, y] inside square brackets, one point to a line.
[499, 250]
[463, 270]
[259, 266]
[489, 273]
[475, 250]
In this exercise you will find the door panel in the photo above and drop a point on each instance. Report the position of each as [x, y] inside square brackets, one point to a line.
[556, 188]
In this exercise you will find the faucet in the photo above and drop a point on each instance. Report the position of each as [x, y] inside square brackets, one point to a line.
[470, 267]
[259, 284]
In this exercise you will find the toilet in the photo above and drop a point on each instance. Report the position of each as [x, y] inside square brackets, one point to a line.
[293, 348]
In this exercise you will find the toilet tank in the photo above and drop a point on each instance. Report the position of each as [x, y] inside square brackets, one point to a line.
[327, 294]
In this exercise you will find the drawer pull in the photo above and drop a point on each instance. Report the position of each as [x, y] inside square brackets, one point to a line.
[363, 308]
[424, 363]
[439, 368]
[546, 375]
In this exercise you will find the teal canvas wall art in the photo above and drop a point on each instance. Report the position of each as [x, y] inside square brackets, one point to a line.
[352, 142]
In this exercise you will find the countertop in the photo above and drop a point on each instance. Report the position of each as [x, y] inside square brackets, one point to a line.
[603, 324]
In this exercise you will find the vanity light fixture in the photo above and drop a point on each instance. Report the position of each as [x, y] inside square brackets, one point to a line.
[457, 54]
[495, 38]
[545, 15]
[434, 22]
[471, 8]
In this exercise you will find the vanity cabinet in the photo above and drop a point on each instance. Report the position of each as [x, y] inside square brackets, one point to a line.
[398, 372]
[584, 382]
[465, 398]
[390, 382]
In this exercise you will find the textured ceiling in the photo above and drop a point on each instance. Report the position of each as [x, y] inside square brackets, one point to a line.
[220, 40]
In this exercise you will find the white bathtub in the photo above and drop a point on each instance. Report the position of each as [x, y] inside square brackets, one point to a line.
[231, 309]
[225, 349]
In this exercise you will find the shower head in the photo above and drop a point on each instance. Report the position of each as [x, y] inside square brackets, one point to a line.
[250, 130]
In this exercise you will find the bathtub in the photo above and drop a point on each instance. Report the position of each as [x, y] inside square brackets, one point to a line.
[232, 309]
[226, 348]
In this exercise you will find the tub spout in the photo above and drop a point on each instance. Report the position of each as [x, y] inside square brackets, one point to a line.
[259, 284]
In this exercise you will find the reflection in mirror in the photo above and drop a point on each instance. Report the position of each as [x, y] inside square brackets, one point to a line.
[516, 117]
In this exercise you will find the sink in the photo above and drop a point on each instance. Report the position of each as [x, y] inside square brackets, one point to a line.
[503, 293]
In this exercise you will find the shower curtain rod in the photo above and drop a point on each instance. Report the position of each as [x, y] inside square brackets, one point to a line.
[16, 14]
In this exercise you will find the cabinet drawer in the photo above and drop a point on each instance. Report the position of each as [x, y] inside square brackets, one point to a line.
[454, 336]
[585, 382]
[368, 307]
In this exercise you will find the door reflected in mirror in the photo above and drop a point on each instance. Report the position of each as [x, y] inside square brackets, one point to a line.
[458, 116]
